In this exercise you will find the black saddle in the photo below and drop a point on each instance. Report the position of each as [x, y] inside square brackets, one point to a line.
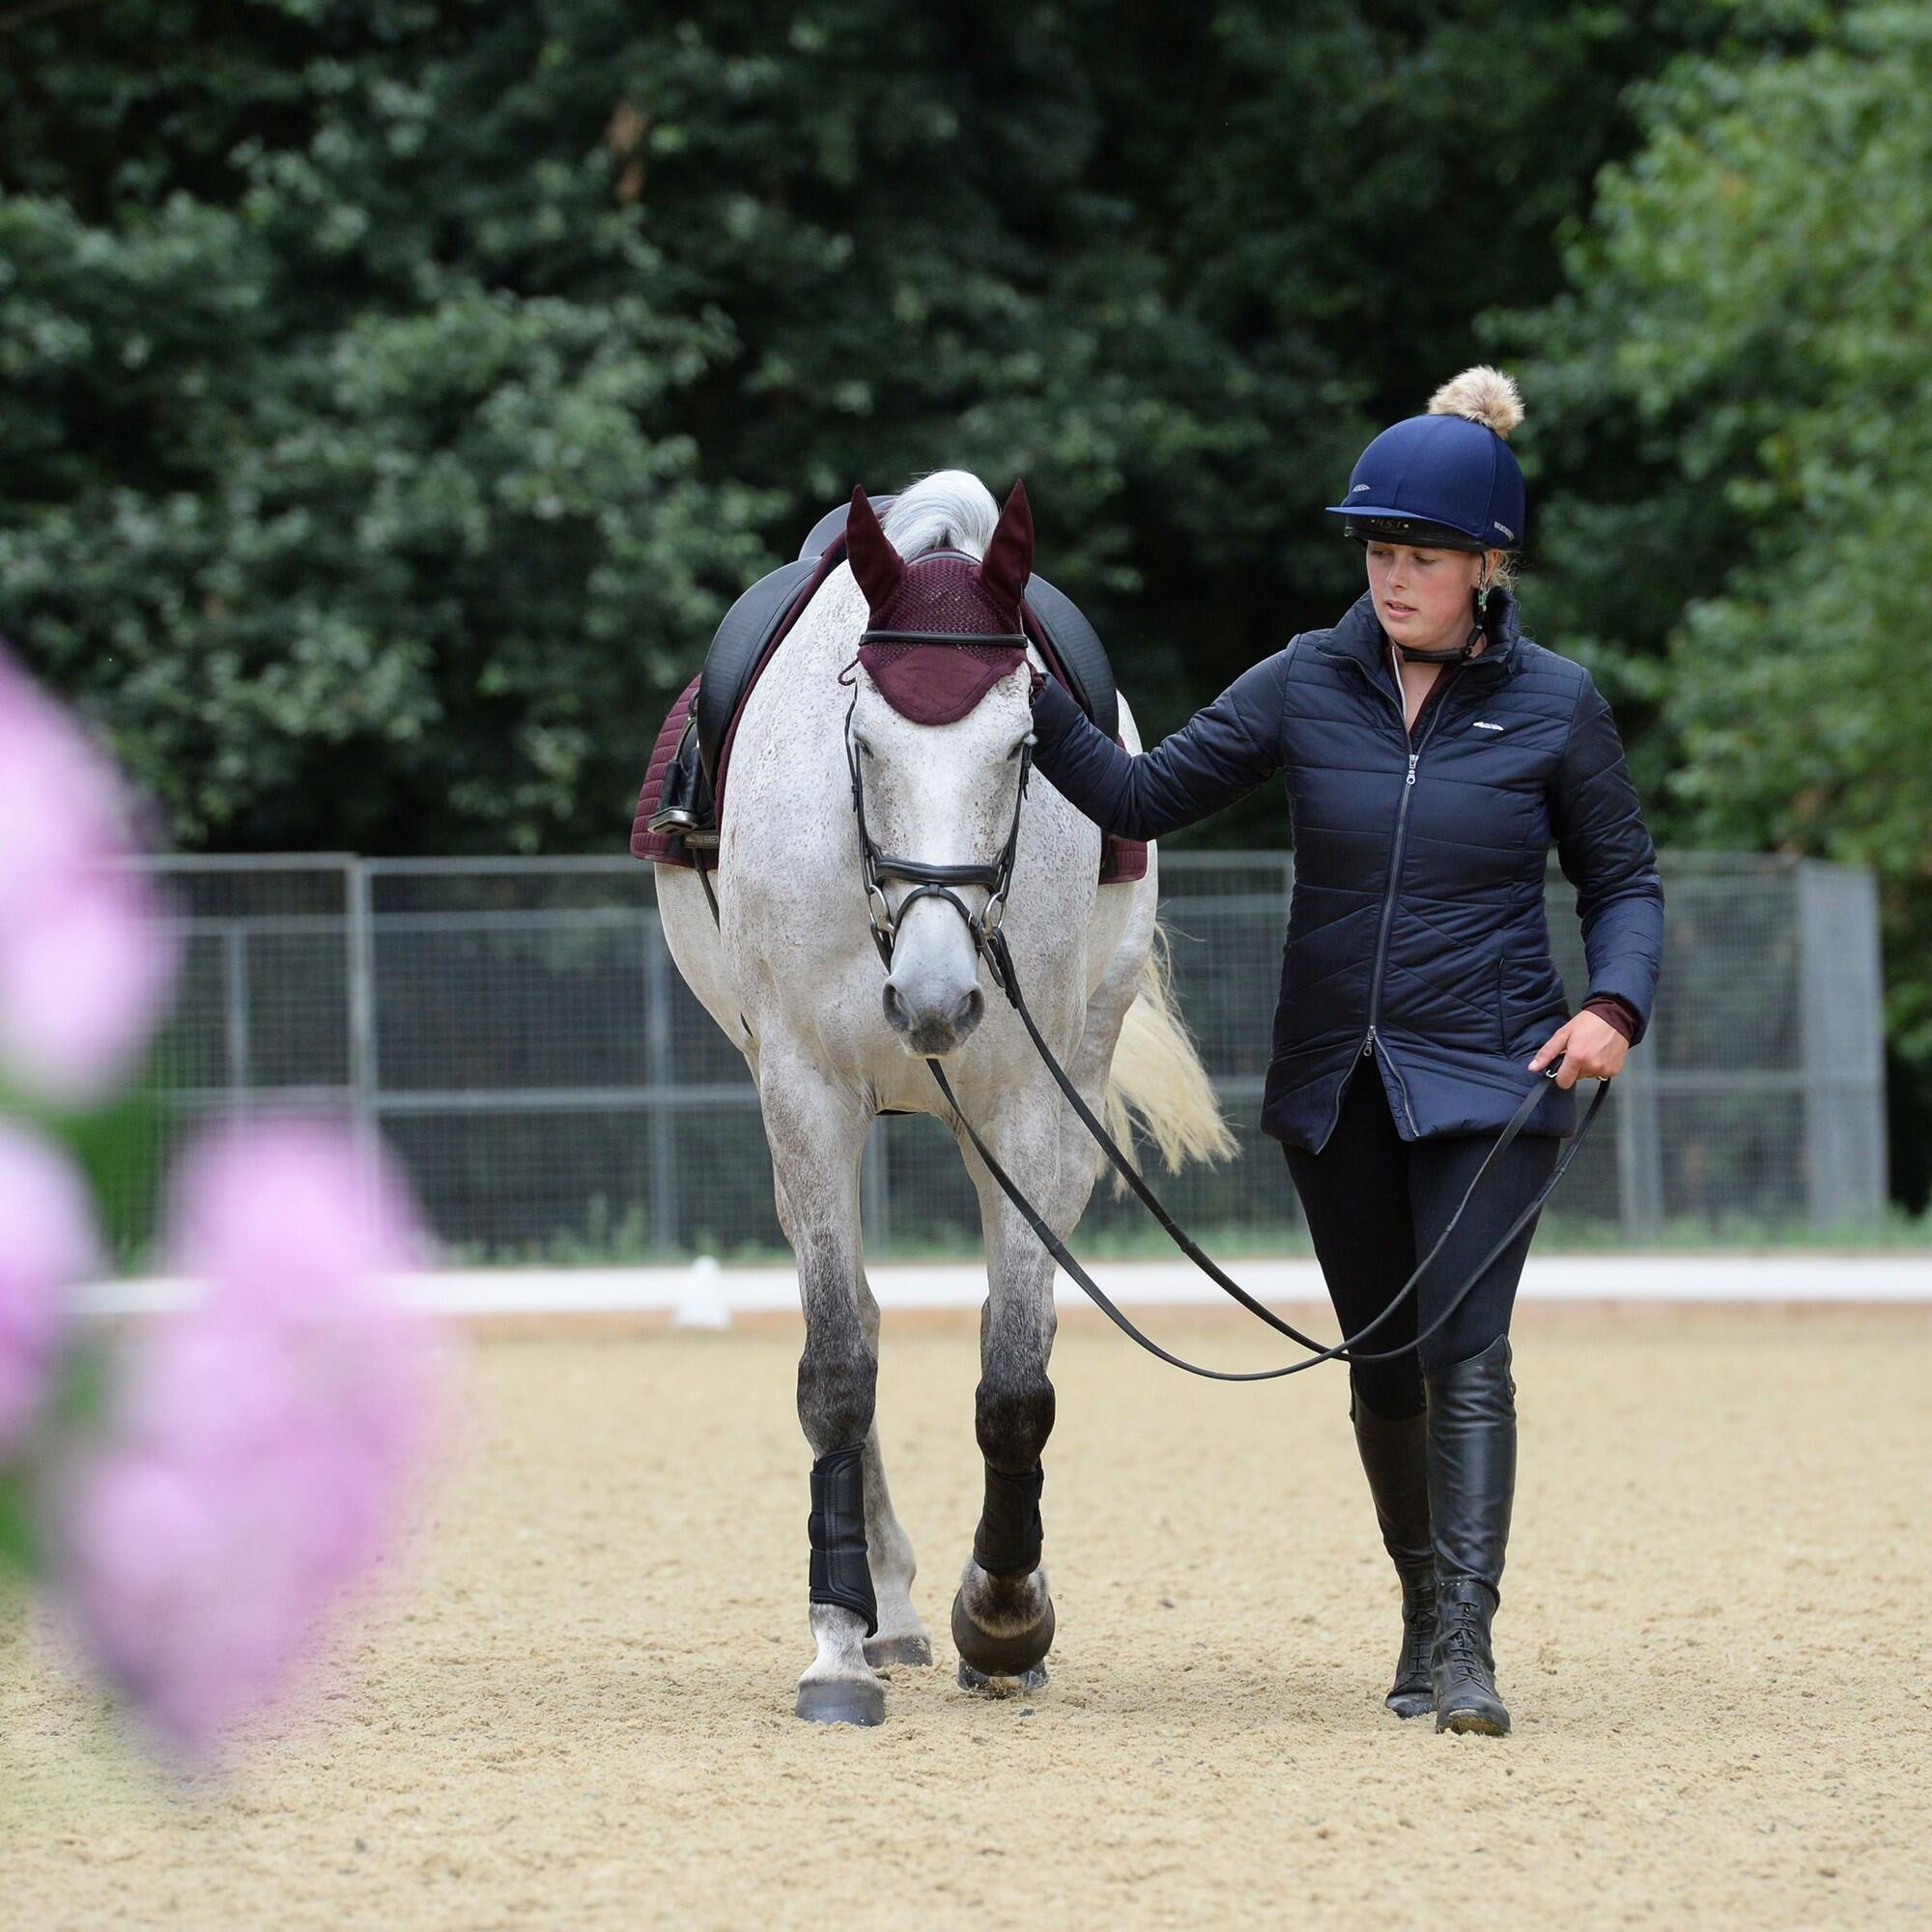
[753, 627]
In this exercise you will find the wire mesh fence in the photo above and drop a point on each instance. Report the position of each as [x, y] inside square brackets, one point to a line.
[518, 1032]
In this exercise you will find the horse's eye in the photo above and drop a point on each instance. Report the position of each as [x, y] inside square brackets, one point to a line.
[1020, 746]
[865, 749]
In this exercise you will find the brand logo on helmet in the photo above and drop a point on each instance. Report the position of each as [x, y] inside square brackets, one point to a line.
[1359, 488]
[1505, 528]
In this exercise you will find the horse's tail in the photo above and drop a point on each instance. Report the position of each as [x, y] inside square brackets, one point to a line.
[1157, 1077]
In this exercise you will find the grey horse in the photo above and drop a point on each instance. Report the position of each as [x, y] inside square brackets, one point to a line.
[790, 972]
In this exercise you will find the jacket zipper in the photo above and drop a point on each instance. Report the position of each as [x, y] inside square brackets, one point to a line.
[1370, 1040]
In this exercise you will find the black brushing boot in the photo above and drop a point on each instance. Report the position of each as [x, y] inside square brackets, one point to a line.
[1393, 1459]
[1471, 1420]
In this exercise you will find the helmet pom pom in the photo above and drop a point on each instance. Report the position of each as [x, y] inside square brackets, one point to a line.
[1484, 395]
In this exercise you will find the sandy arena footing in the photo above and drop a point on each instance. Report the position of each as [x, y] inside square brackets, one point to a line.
[575, 1710]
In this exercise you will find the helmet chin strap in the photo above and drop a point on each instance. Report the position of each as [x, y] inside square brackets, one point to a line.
[1462, 653]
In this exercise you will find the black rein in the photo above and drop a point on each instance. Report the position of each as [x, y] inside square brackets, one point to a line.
[938, 881]
[1000, 957]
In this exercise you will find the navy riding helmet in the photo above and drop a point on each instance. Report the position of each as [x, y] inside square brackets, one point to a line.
[1445, 480]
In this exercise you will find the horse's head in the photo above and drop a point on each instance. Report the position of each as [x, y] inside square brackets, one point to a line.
[939, 731]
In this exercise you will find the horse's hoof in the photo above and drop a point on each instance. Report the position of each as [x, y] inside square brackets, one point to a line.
[914, 1649]
[838, 1700]
[1009, 1655]
[989, 1685]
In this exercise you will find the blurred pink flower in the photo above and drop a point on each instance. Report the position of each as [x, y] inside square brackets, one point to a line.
[46, 1244]
[262, 1443]
[85, 965]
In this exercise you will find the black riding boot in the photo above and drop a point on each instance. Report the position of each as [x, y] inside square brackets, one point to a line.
[1471, 1419]
[1393, 1459]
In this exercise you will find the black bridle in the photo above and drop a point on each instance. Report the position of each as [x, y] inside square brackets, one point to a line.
[990, 941]
[929, 880]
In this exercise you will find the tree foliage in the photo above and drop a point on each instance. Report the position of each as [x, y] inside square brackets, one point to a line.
[1753, 299]
[392, 397]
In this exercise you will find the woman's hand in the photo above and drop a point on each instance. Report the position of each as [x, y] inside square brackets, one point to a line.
[1592, 1049]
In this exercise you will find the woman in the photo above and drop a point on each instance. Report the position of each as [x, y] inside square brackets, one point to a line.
[1433, 753]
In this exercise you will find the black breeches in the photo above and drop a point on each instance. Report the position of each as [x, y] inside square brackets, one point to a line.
[1375, 1204]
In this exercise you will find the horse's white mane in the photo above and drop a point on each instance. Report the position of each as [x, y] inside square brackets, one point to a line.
[950, 507]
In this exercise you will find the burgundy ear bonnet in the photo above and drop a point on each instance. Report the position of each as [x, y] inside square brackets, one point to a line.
[945, 629]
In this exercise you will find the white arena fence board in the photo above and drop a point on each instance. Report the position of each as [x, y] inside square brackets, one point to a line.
[517, 1031]
[703, 1295]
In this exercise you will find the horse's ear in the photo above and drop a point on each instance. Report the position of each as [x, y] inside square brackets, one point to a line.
[875, 563]
[1009, 560]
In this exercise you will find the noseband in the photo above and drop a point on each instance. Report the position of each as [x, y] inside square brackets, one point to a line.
[929, 880]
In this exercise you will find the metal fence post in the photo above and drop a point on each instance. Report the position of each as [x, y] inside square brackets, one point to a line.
[875, 1214]
[234, 1009]
[659, 1074]
[1840, 1014]
[1640, 1152]
[365, 1073]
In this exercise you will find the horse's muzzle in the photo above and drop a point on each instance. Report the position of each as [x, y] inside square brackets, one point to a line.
[932, 1030]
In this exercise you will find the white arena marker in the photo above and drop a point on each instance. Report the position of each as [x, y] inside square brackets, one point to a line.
[702, 1304]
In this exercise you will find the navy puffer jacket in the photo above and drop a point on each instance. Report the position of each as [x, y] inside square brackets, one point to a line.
[1416, 932]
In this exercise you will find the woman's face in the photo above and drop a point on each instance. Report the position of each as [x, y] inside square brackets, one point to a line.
[1422, 596]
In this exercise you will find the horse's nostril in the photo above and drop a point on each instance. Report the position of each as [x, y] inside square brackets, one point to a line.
[966, 1015]
[896, 1013]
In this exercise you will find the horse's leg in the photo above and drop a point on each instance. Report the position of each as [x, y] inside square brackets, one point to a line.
[1003, 1616]
[902, 1637]
[816, 1130]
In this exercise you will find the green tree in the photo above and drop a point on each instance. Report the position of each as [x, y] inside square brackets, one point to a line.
[394, 395]
[1754, 299]
[342, 471]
